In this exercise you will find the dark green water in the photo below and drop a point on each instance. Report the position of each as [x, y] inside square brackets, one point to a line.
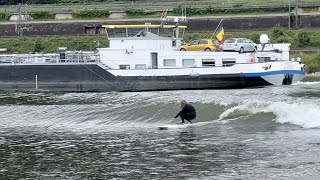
[264, 133]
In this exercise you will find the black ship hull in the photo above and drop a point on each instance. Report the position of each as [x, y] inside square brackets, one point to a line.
[93, 78]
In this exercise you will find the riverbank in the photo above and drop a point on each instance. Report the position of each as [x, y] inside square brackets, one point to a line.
[312, 77]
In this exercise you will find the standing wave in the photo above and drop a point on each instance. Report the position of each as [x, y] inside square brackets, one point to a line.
[303, 114]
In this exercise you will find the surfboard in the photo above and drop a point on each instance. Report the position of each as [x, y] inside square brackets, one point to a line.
[166, 127]
[162, 128]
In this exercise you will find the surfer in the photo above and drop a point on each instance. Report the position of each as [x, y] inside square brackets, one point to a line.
[187, 113]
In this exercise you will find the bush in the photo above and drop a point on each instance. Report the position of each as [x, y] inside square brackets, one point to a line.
[138, 12]
[4, 16]
[42, 15]
[255, 37]
[277, 31]
[314, 64]
[284, 39]
[315, 40]
[95, 13]
[312, 67]
[38, 45]
[303, 39]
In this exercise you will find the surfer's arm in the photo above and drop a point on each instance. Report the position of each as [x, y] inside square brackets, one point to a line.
[177, 114]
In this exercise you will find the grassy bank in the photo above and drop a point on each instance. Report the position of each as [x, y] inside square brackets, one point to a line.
[51, 43]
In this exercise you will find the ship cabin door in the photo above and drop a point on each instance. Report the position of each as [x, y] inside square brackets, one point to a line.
[154, 60]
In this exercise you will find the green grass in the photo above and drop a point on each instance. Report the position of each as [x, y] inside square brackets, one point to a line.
[154, 4]
[51, 43]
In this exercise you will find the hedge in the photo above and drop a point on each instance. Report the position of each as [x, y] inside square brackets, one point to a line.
[138, 12]
[4, 16]
[42, 15]
[95, 13]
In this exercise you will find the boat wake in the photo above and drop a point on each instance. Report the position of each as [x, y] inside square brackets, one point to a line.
[307, 83]
[305, 115]
[142, 110]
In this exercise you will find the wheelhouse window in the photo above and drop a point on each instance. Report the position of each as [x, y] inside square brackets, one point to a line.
[208, 62]
[140, 66]
[264, 59]
[228, 62]
[169, 62]
[124, 66]
[188, 62]
[174, 43]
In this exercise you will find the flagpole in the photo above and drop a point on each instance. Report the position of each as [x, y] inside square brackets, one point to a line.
[215, 31]
[218, 26]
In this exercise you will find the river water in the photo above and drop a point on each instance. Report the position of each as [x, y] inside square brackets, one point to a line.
[259, 133]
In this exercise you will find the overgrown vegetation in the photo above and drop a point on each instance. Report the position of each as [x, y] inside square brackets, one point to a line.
[191, 11]
[4, 16]
[95, 13]
[42, 15]
[138, 12]
[310, 58]
[51, 44]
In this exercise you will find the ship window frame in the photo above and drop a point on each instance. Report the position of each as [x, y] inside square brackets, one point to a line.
[229, 61]
[188, 65]
[208, 62]
[264, 59]
[140, 66]
[124, 66]
[165, 64]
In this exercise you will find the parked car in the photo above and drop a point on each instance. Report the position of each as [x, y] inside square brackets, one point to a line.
[240, 45]
[201, 45]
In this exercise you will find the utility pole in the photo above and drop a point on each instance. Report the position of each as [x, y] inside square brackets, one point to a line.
[297, 15]
[22, 16]
[289, 22]
[19, 23]
[19, 28]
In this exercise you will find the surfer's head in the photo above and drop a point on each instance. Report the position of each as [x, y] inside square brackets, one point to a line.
[183, 103]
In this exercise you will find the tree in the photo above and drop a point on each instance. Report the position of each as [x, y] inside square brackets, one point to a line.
[38, 45]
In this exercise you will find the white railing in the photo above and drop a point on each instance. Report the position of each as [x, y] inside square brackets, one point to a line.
[66, 57]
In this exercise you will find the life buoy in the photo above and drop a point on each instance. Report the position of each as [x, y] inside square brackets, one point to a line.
[251, 60]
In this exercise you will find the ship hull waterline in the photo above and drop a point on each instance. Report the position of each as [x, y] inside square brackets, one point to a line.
[93, 78]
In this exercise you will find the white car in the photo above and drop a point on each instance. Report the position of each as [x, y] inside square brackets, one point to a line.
[240, 45]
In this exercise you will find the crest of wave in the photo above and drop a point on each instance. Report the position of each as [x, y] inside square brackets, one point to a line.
[306, 115]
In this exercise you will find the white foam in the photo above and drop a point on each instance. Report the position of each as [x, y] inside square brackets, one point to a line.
[307, 83]
[303, 114]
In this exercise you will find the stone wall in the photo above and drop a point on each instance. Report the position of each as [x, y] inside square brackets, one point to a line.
[194, 24]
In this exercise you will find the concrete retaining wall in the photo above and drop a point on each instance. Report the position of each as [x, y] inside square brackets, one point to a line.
[199, 24]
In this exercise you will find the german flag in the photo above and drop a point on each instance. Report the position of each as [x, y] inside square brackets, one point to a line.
[219, 32]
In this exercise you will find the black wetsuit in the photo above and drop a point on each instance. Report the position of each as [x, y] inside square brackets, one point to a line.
[187, 113]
